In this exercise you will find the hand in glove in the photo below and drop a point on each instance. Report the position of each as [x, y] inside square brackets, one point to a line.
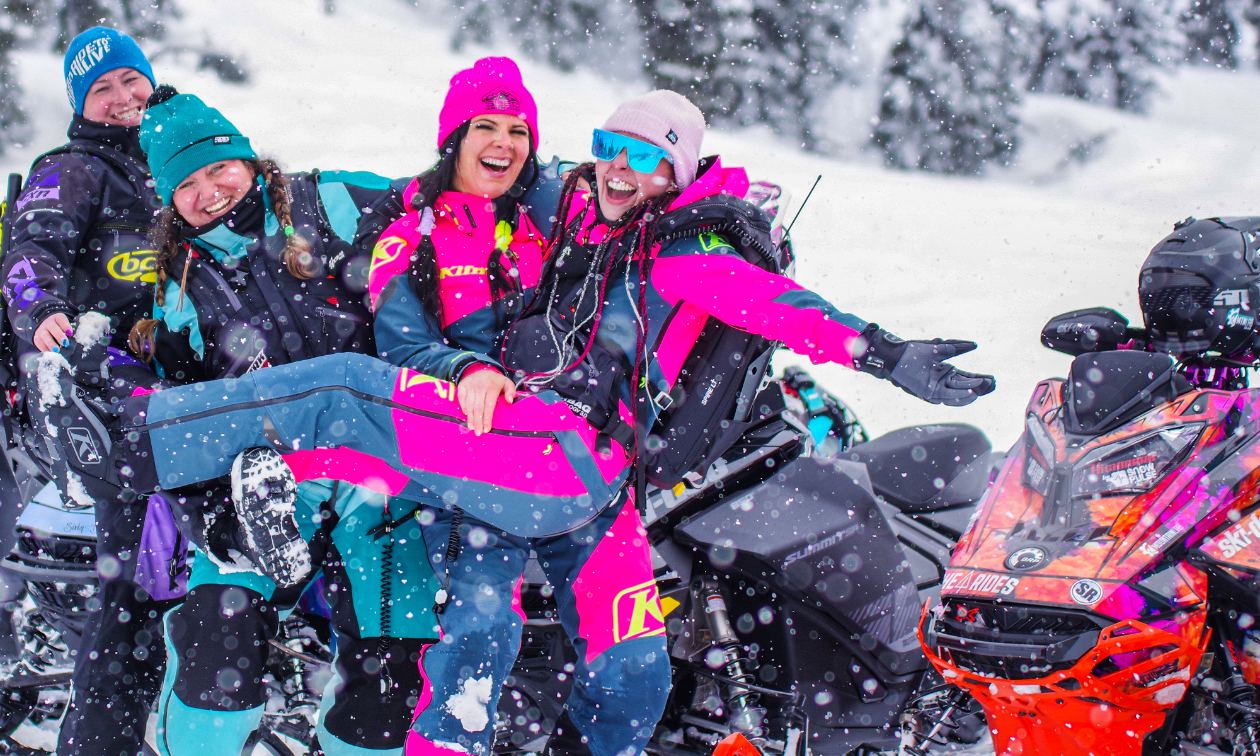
[918, 367]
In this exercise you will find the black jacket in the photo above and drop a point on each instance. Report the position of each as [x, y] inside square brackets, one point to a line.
[80, 233]
[248, 311]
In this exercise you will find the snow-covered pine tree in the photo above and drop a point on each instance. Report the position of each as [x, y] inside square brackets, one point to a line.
[751, 61]
[564, 33]
[1105, 51]
[946, 106]
[1211, 33]
[1250, 13]
[143, 19]
[25, 22]
[13, 126]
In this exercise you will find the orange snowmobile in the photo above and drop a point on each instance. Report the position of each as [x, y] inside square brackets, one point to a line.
[1103, 600]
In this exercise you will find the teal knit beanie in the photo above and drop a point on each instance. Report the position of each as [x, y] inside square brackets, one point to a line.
[182, 135]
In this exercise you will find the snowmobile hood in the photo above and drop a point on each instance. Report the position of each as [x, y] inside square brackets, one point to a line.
[1077, 520]
[713, 179]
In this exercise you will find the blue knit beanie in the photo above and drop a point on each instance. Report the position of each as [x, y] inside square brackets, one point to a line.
[98, 51]
[182, 135]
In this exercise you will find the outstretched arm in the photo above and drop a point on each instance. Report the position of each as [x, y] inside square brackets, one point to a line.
[742, 295]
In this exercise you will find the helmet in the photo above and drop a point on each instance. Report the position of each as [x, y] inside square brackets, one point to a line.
[1199, 287]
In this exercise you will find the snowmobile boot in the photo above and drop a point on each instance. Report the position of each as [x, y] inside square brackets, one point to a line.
[88, 351]
[71, 429]
[265, 494]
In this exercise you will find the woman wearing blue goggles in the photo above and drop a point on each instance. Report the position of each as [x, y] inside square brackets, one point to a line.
[647, 172]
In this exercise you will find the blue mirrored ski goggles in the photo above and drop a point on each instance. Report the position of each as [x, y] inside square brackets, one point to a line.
[642, 156]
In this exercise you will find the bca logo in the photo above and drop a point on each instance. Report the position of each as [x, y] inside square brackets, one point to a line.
[637, 613]
[84, 446]
[134, 266]
[1086, 592]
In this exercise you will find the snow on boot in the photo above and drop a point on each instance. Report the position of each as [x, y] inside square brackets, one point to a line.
[88, 354]
[265, 494]
[71, 432]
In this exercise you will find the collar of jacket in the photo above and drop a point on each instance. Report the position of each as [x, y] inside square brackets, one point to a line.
[479, 217]
[469, 213]
[122, 138]
[229, 237]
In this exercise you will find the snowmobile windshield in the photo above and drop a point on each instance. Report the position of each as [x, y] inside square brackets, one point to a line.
[1107, 389]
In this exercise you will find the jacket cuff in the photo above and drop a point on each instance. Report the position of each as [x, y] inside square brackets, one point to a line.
[26, 322]
[472, 367]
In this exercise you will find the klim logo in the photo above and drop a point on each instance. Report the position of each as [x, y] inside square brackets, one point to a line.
[387, 250]
[637, 613]
[407, 379]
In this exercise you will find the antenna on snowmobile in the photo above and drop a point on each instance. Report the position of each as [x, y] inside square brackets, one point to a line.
[802, 207]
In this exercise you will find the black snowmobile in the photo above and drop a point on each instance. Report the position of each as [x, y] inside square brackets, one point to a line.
[792, 572]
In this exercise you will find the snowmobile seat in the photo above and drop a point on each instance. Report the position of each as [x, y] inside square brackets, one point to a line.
[927, 467]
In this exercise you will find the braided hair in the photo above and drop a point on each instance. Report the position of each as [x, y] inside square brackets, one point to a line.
[167, 238]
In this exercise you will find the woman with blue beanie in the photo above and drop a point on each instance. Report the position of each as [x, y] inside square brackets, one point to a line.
[79, 244]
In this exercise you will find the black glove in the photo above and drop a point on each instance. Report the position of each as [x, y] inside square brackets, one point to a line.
[918, 367]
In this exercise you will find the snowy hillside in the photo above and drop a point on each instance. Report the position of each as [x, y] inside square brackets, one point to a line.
[984, 259]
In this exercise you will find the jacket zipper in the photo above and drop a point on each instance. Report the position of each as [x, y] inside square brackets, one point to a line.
[338, 314]
[122, 227]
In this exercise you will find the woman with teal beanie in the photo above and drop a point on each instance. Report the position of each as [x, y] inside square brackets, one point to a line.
[258, 268]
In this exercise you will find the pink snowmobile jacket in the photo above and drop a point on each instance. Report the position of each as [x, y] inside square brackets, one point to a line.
[466, 237]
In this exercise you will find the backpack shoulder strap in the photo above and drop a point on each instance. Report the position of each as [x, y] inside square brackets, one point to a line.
[135, 171]
[743, 224]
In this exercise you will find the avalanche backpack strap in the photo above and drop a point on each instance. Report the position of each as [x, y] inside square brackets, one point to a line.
[744, 225]
[135, 171]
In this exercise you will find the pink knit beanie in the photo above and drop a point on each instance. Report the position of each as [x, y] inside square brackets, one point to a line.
[669, 121]
[492, 85]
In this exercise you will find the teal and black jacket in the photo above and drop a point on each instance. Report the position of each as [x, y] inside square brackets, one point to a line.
[241, 310]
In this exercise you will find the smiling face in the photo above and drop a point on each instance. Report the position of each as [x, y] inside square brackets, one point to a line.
[621, 188]
[118, 98]
[212, 191]
[492, 155]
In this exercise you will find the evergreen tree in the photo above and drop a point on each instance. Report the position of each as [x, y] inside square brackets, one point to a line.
[1250, 12]
[62, 20]
[564, 33]
[13, 126]
[1211, 33]
[946, 106]
[1105, 51]
[752, 61]
[143, 19]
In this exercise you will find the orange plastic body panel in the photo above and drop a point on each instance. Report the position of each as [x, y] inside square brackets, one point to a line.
[1050, 715]
[735, 744]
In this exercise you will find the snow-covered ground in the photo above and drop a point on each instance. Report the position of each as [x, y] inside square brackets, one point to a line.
[983, 259]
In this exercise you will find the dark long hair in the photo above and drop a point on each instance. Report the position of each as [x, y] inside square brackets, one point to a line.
[424, 272]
